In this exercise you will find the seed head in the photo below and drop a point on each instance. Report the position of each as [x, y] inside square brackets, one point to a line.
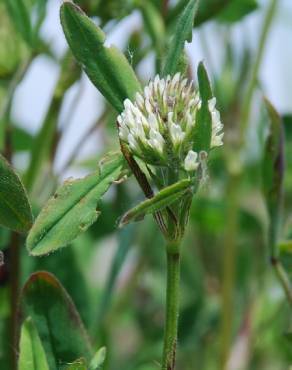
[159, 125]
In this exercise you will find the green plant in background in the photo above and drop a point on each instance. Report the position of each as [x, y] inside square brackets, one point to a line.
[167, 132]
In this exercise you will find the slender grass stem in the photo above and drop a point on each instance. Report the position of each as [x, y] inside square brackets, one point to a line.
[172, 308]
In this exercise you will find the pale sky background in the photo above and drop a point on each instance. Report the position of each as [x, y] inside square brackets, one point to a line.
[34, 93]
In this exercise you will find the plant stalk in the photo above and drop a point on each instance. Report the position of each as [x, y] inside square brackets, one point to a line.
[172, 310]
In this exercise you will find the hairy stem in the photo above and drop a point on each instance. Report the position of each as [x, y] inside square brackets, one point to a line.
[172, 308]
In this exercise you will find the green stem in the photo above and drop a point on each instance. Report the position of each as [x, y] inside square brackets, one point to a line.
[172, 308]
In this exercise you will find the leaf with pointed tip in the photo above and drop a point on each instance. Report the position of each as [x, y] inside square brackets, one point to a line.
[73, 208]
[161, 200]
[55, 317]
[32, 355]
[107, 67]
[98, 359]
[203, 127]
[15, 211]
[182, 33]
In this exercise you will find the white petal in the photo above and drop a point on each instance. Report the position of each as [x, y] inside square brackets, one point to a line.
[190, 121]
[120, 119]
[161, 86]
[148, 106]
[147, 92]
[132, 142]
[128, 104]
[217, 140]
[191, 161]
[153, 123]
[183, 83]
[175, 79]
[124, 132]
[156, 135]
[215, 117]
[176, 133]
[138, 131]
[156, 83]
[156, 145]
[212, 104]
[144, 122]
[139, 99]
[170, 118]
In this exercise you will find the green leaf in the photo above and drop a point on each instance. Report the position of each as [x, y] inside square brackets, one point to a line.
[98, 359]
[73, 208]
[55, 317]
[19, 14]
[159, 201]
[273, 171]
[107, 67]
[236, 10]
[203, 128]
[15, 211]
[183, 32]
[32, 355]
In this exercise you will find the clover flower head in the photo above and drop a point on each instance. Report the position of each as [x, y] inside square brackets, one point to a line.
[159, 125]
